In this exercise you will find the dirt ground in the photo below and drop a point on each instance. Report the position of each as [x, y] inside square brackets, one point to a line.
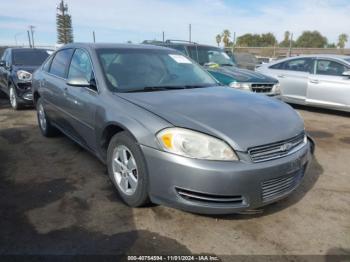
[55, 198]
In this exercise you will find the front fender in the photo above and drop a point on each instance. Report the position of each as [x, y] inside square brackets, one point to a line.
[137, 121]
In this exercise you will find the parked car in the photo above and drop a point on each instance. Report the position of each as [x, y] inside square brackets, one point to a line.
[16, 68]
[245, 60]
[167, 131]
[263, 60]
[220, 65]
[315, 80]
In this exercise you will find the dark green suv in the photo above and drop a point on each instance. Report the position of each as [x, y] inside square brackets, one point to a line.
[223, 68]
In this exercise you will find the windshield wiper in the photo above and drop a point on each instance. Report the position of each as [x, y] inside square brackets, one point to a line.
[155, 88]
[226, 64]
[164, 88]
[198, 86]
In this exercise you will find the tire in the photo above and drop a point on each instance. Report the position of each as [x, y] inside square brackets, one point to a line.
[134, 196]
[15, 104]
[44, 123]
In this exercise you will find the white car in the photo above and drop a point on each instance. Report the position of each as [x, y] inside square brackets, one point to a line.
[315, 80]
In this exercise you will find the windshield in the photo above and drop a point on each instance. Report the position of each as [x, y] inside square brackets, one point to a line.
[128, 70]
[30, 57]
[210, 55]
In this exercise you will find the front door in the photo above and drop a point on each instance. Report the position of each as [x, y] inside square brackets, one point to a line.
[82, 101]
[328, 87]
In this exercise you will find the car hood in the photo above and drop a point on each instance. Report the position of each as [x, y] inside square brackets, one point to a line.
[241, 75]
[240, 118]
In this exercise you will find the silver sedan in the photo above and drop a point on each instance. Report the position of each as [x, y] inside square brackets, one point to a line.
[315, 80]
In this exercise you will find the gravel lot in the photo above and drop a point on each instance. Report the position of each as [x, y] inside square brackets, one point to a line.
[56, 199]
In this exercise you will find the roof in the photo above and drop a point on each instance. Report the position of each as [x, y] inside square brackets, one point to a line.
[324, 55]
[26, 48]
[338, 57]
[111, 45]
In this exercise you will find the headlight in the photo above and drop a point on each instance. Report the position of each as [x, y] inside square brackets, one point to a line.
[239, 85]
[24, 75]
[277, 89]
[194, 144]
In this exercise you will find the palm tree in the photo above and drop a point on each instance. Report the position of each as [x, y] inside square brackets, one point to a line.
[218, 39]
[342, 39]
[226, 37]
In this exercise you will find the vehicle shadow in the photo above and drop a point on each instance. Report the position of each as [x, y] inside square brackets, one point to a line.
[308, 182]
[337, 255]
[4, 102]
[321, 110]
[55, 200]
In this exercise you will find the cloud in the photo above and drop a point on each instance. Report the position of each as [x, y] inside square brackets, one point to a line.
[136, 20]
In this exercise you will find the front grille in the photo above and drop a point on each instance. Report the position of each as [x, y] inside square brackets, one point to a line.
[275, 188]
[24, 86]
[209, 198]
[276, 150]
[262, 88]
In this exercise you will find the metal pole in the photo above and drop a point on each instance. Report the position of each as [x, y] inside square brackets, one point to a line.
[163, 37]
[190, 33]
[32, 34]
[93, 36]
[30, 42]
[290, 44]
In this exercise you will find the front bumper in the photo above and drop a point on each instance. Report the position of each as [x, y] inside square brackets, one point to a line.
[218, 187]
[24, 92]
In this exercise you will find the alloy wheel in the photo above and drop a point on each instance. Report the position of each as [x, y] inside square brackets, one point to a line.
[42, 117]
[125, 170]
[13, 98]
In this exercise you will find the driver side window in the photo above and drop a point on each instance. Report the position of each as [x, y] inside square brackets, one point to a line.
[331, 68]
[81, 67]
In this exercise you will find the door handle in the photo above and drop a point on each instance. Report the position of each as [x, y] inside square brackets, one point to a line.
[281, 76]
[314, 81]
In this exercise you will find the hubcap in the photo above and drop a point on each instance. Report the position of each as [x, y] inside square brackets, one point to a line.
[125, 170]
[41, 116]
[13, 99]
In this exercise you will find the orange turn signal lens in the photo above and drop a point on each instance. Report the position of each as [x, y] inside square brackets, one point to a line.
[167, 140]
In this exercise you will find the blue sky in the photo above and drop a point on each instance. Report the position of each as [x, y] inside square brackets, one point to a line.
[136, 20]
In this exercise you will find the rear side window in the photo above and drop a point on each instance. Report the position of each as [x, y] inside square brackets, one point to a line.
[47, 64]
[60, 62]
[331, 68]
[4, 55]
[277, 66]
[299, 64]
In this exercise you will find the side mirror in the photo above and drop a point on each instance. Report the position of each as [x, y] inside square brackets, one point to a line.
[2, 63]
[346, 73]
[78, 81]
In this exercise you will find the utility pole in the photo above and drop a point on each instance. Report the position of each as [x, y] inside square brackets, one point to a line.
[93, 36]
[190, 32]
[29, 41]
[234, 42]
[163, 37]
[31, 28]
[290, 44]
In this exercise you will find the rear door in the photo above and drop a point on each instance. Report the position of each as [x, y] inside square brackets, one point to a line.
[328, 87]
[82, 101]
[293, 76]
